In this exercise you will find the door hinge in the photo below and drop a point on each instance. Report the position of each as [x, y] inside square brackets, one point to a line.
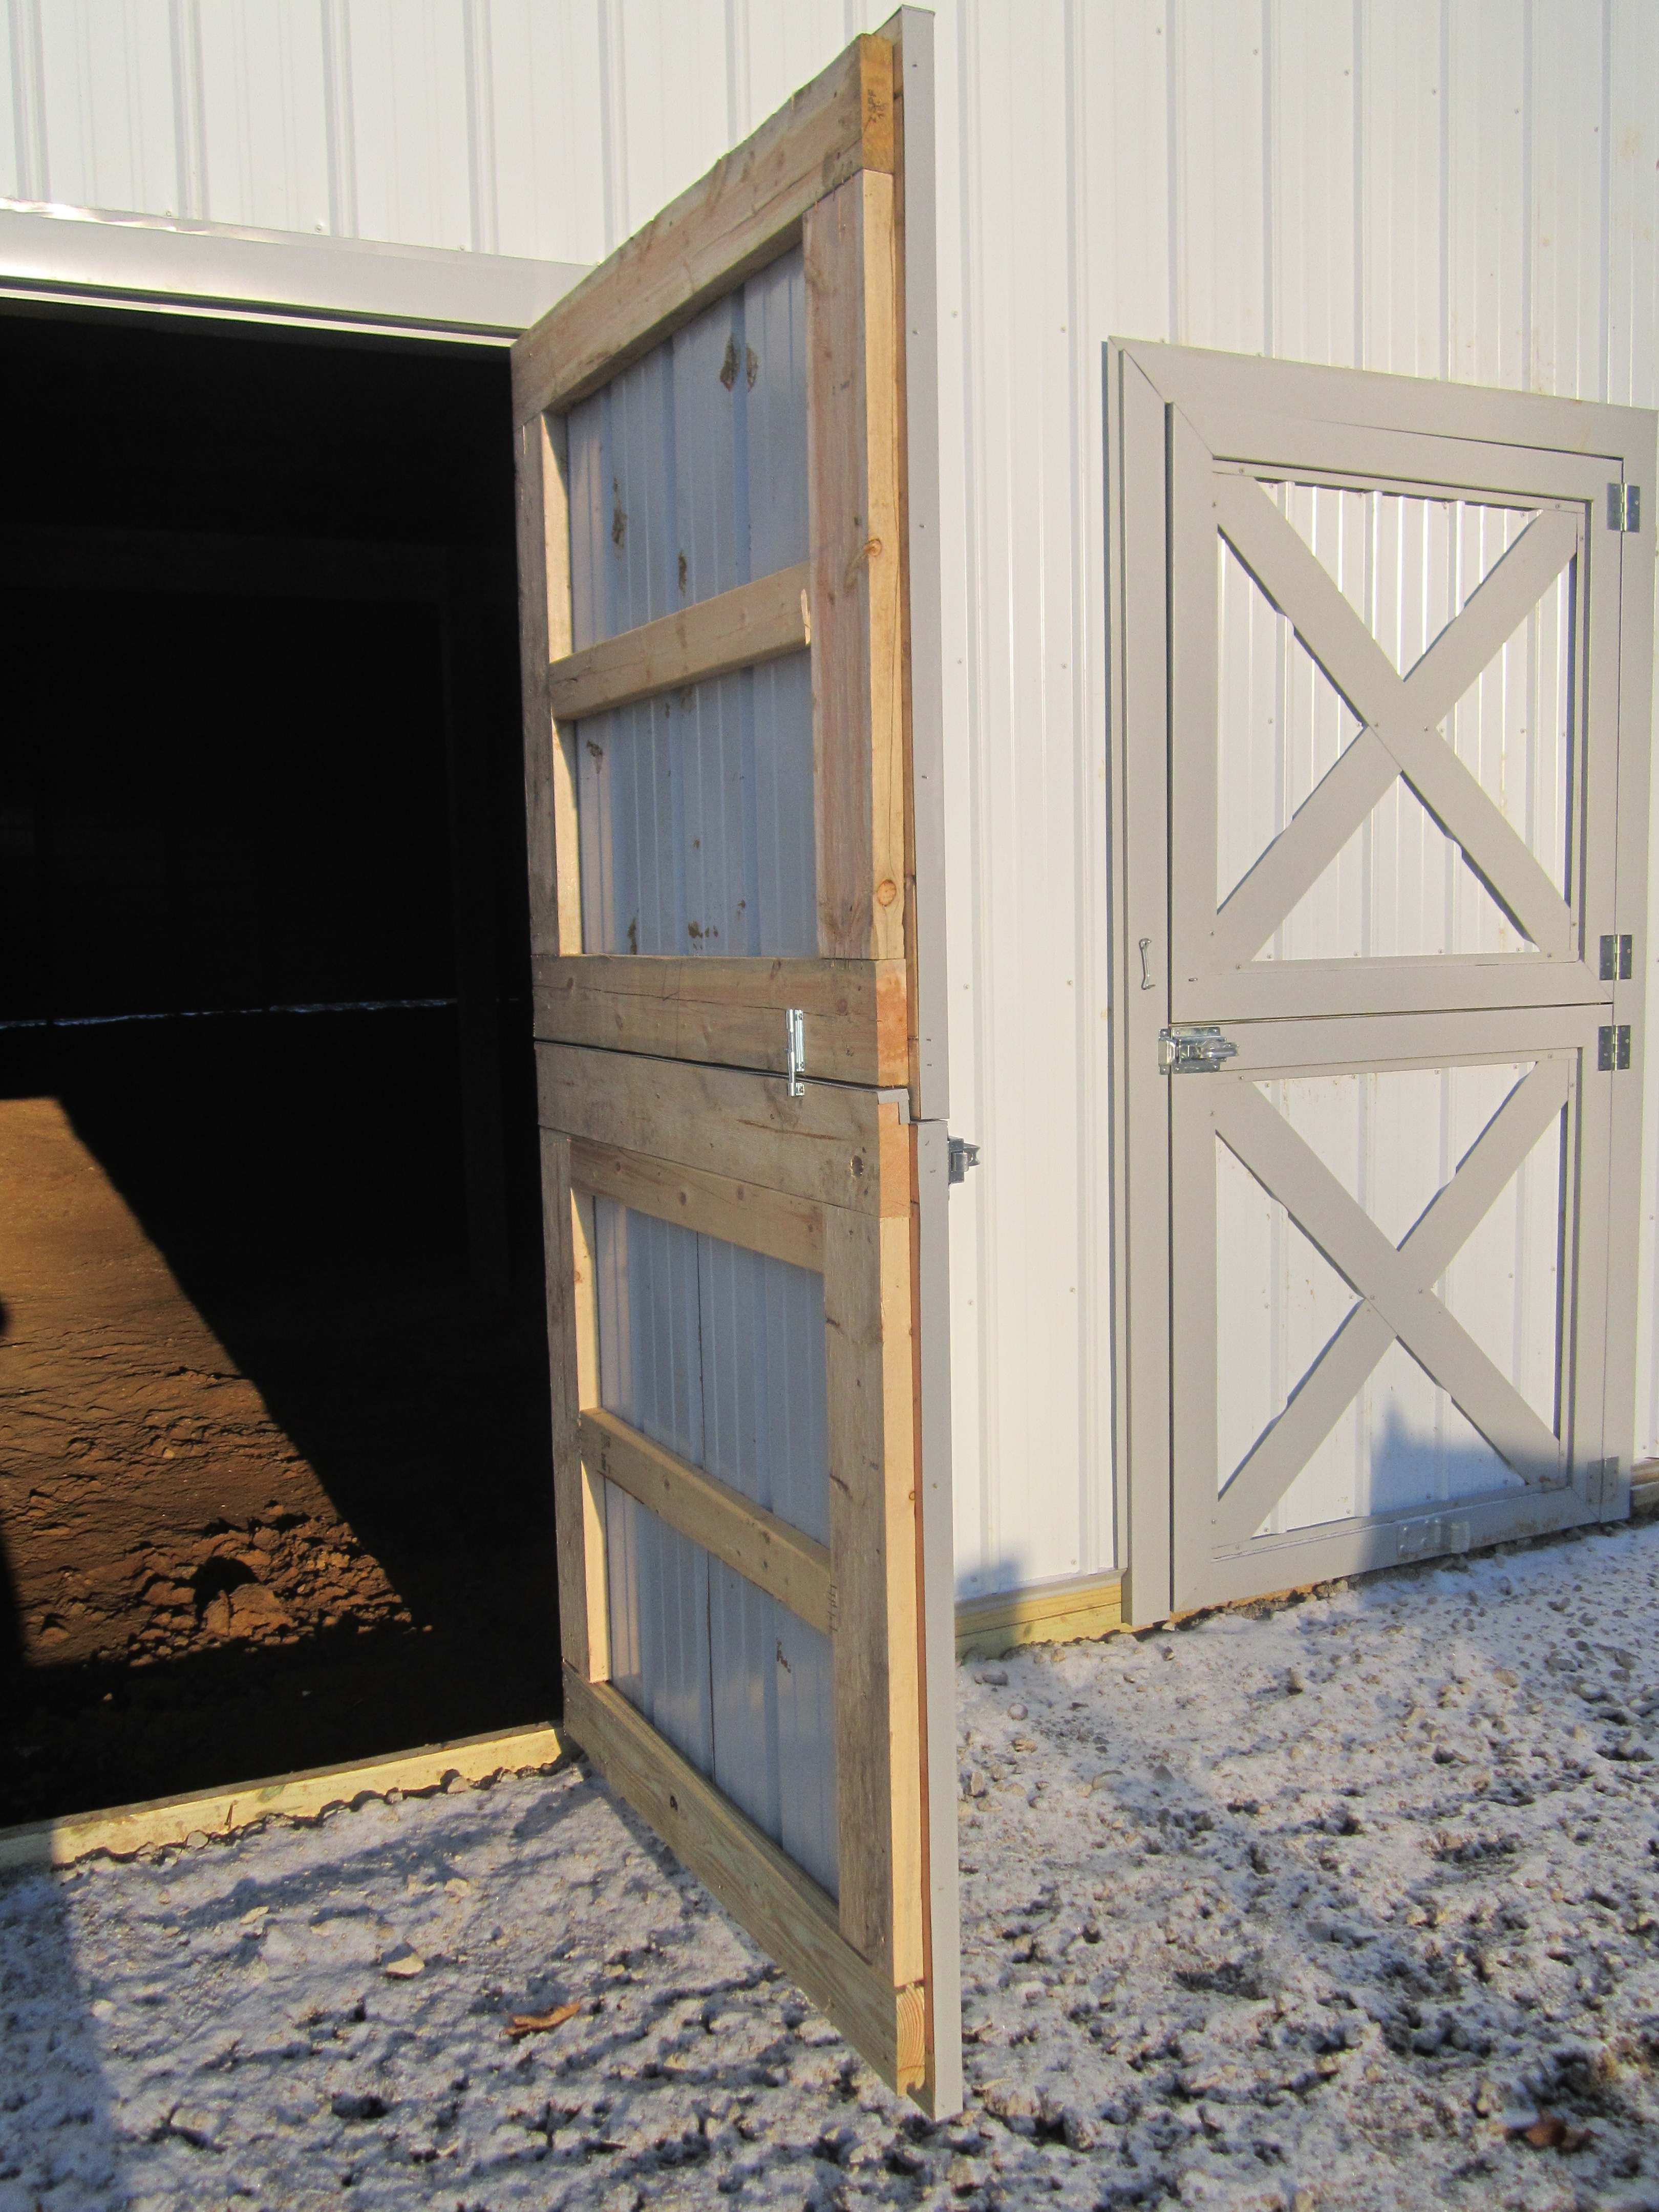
[1613, 1048]
[795, 1050]
[1193, 1052]
[1618, 958]
[1624, 507]
[963, 1156]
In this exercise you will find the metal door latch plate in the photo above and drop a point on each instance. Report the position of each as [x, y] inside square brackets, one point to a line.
[1193, 1052]
[1420, 1538]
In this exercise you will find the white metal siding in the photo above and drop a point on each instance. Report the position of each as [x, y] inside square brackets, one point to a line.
[1456, 188]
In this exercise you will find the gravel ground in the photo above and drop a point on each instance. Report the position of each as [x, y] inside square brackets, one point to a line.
[1321, 1905]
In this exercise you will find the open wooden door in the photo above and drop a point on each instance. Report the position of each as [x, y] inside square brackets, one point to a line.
[720, 784]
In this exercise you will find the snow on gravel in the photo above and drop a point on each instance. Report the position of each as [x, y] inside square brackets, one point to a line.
[1315, 1907]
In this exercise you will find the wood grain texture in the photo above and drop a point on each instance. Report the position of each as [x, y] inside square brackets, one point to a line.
[837, 1146]
[740, 629]
[855, 529]
[123, 1830]
[745, 212]
[789, 1566]
[550, 775]
[730, 1012]
[577, 1510]
[872, 1549]
[760, 1220]
[782, 1907]
[533, 652]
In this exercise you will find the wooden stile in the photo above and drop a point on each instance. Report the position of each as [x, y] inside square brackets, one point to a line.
[658, 1077]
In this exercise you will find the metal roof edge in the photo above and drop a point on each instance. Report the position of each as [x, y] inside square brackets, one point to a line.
[119, 259]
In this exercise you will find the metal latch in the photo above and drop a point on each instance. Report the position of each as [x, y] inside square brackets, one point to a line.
[794, 1047]
[1624, 507]
[1192, 1052]
[963, 1156]
[1618, 958]
[1613, 1048]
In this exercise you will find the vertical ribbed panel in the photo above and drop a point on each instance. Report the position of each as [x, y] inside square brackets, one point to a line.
[718, 1353]
[688, 478]
[650, 1373]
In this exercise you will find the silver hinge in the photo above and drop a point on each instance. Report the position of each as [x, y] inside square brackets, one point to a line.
[1624, 507]
[1613, 1048]
[1618, 958]
[794, 1047]
[963, 1156]
[1192, 1052]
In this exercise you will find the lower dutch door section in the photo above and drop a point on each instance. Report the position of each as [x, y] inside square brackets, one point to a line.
[1389, 1278]
[739, 1525]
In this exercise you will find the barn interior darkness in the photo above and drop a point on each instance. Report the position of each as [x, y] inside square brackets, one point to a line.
[273, 1406]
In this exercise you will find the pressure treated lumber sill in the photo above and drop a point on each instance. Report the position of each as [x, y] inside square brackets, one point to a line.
[1082, 1606]
[745, 213]
[788, 1565]
[730, 1012]
[740, 629]
[783, 1908]
[166, 1822]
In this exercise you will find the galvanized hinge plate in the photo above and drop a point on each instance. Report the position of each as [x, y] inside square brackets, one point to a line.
[1624, 507]
[1613, 1048]
[1193, 1051]
[795, 1050]
[1419, 1539]
[1618, 958]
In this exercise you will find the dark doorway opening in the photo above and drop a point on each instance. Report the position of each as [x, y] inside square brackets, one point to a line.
[273, 1412]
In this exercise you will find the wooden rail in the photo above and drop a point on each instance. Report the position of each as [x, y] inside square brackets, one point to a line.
[745, 213]
[740, 629]
[729, 1012]
[784, 1561]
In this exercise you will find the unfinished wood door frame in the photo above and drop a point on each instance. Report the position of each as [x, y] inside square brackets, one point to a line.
[1185, 431]
[657, 1075]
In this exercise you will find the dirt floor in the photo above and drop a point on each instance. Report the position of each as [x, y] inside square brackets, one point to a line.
[312, 1533]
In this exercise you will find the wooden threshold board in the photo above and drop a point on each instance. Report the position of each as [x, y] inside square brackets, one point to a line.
[157, 1822]
[1082, 1607]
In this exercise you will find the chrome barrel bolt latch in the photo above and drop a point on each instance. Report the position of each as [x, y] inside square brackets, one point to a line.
[1193, 1052]
[794, 1049]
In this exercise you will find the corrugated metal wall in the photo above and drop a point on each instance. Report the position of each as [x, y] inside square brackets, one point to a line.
[1457, 188]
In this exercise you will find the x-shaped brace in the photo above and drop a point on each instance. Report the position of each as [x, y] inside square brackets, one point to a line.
[1401, 718]
[1393, 1287]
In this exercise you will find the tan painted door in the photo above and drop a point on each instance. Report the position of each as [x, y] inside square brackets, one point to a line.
[742, 1202]
[1382, 1035]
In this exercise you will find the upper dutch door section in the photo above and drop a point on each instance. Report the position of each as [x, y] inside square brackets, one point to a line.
[717, 760]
